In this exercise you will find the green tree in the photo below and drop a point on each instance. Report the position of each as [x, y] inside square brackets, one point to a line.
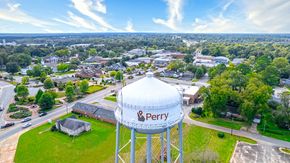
[25, 80]
[62, 67]
[69, 93]
[62, 52]
[48, 83]
[22, 91]
[271, 75]
[119, 76]
[255, 98]
[244, 68]
[46, 101]
[43, 76]
[38, 96]
[84, 86]
[199, 73]
[188, 58]
[12, 67]
[262, 62]
[113, 73]
[176, 65]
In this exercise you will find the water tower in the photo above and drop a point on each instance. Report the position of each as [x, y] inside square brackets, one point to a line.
[149, 106]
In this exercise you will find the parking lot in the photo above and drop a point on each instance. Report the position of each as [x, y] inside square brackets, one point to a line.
[258, 153]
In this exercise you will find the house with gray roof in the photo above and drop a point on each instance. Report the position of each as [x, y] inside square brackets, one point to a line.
[95, 111]
[72, 126]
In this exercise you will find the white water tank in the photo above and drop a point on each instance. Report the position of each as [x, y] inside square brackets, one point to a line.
[149, 105]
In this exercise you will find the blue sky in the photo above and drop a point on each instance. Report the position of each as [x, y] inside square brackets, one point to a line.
[191, 16]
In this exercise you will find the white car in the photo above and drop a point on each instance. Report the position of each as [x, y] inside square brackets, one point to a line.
[26, 125]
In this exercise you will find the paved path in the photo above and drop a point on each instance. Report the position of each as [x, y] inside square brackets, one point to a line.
[259, 138]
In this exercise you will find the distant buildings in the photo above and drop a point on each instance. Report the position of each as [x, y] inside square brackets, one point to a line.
[97, 60]
[161, 62]
[209, 61]
[89, 72]
[72, 126]
[137, 61]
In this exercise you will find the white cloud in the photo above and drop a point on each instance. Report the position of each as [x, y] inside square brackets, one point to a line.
[252, 16]
[130, 27]
[76, 21]
[89, 8]
[268, 15]
[13, 13]
[174, 15]
[100, 7]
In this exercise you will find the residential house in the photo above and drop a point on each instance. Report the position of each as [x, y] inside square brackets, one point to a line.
[89, 72]
[237, 61]
[95, 111]
[72, 126]
[161, 62]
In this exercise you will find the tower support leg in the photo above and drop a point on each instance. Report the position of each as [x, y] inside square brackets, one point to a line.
[162, 147]
[132, 153]
[168, 145]
[149, 157]
[180, 142]
[117, 142]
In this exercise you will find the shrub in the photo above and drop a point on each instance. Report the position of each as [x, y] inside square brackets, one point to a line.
[197, 110]
[22, 113]
[53, 128]
[31, 99]
[12, 108]
[221, 135]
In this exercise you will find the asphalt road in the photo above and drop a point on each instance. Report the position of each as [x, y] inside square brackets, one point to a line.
[5, 133]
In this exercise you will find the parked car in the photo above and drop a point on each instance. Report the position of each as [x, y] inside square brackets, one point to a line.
[26, 119]
[42, 114]
[8, 125]
[26, 125]
[1, 109]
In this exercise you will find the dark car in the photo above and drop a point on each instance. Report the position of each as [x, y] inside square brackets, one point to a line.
[42, 114]
[1, 109]
[26, 119]
[7, 125]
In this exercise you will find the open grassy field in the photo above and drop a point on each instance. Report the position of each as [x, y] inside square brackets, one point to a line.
[111, 98]
[98, 145]
[219, 122]
[272, 130]
[94, 88]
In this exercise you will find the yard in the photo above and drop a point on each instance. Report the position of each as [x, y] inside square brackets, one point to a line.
[94, 88]
[98, 145]
[111, 98]
[236, 125]
[272, 130]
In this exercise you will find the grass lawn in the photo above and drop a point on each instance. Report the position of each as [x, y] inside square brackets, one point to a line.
[111, 98]
[60, 94]
[286, 150]
[65, 73]
[98, 145]
[219, 122]
[272, 130]
[95, 88]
